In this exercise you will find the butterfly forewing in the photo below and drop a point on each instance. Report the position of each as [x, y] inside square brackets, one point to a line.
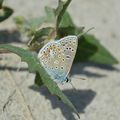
[69, 45]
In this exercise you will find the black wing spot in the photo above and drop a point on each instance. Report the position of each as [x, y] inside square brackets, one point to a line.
[56, 67]
[62, 67]
[67, 56]
[59, 56]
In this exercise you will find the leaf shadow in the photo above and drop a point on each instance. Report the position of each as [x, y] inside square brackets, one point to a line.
[80, 69]
[7, 36]
[77, 69]
[80, 99]
[15, 69]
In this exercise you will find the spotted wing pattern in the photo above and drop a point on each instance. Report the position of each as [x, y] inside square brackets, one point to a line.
[69, 45]
[57, 57]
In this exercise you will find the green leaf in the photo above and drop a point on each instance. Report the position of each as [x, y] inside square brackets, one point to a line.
[65, 31]
[35, 23]
[5, 13]
[38, 80]
[62, 6]
[39, 37]
[66, 21]
[67, 26]
[89, 49]
[31, 26]
[35, 66]
[22, 24]
[28, 27]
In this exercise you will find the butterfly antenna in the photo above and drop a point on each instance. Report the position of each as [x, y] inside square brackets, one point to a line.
[79, 35]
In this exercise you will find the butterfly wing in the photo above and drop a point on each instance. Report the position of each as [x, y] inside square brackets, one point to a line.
[57, 57]
[52, 59]
[69, 45]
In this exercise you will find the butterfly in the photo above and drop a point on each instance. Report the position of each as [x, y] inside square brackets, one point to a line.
[57, 57]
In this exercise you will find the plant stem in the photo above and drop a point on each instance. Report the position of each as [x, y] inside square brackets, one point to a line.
[1, 2]
[60, 11]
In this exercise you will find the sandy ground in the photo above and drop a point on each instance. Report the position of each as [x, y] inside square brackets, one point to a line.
[96, 98]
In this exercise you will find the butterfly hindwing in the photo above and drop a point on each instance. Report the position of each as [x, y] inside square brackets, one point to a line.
[53, 60]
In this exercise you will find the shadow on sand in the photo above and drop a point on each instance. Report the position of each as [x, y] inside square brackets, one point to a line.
[7, 36]
[78, 69]
[80, 98]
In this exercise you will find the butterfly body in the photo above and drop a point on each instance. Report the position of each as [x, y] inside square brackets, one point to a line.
[57, 57]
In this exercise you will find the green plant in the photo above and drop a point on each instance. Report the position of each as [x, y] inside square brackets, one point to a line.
[56, 24]
[5, 12]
